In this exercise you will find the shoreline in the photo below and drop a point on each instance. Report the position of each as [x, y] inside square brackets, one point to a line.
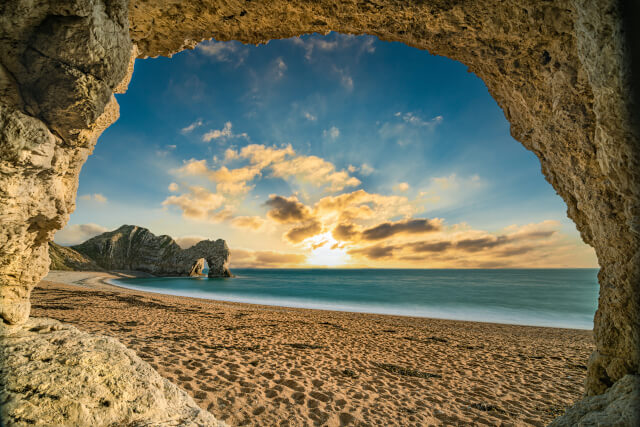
[268, 365]
[104, 280]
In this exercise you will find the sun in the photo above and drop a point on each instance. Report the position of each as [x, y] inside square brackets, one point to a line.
[326, 251]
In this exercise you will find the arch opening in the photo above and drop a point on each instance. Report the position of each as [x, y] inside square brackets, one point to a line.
[548, 75]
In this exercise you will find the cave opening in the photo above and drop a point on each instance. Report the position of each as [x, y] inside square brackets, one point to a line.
[228, 156]
[559, 72]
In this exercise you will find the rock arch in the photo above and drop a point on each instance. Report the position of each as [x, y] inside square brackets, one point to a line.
[133, 248]
[561, 71]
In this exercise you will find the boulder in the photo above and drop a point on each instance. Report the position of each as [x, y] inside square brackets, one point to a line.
[53, 374]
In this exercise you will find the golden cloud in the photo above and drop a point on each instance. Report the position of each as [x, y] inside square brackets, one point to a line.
[248, 222]
[283, 163]
[287, 210]
[265, 259]
[299, 233]
[201, 204]
[466, 247]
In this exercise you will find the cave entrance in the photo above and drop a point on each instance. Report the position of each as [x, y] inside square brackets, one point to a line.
[237, 163]
[543, 62]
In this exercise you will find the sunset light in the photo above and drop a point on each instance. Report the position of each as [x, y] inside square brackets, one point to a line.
[326, 251]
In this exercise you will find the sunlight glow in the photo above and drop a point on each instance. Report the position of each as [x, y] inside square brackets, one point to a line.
[326, 251]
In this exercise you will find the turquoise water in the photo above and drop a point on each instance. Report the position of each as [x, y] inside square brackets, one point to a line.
[555, 297]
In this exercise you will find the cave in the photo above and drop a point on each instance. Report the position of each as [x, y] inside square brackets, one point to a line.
[561, 71]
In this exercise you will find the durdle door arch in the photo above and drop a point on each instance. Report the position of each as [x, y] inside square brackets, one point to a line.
[560, 70]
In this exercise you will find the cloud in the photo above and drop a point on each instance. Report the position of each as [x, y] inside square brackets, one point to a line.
[173, 187]
[225, 132]
[248, 222]
[314, 170]
[241, 258]
[279, 68]
[307, 115]
[232, 52]
[386, 230]
[464, 247]
[415, 120]
[191, 127]
[263, 156]
[452, 189]
[407, 128]
[346, 232]
[333, 133]
[96, 197]
[286, 164]
[270, 258]
[361, 44]
[365, 169]
[287, 210]
[360, 204]
[401, 187]
[374, 252]
[229, 181]
[233, 181]
[299, 233]
[475, 245]
[78, 233]
[420, 247]
[410, 226]
[200, 204]
[345, 79]
[310, 44]
[186, 242]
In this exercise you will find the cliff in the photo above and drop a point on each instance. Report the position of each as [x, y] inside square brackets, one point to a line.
[136, 248]
[64, 258]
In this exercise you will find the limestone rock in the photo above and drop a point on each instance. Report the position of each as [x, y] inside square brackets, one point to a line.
[60, 62]
[64, 258]
[54, 374]
[137, 249]
[618, 407]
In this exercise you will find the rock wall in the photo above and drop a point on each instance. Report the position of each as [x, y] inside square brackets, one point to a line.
[561, 71]
[60, 64]
[135, 248]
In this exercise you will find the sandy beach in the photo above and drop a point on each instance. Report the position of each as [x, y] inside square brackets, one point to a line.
[260, 365]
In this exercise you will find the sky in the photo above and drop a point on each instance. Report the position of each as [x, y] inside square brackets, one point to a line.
[324, 151]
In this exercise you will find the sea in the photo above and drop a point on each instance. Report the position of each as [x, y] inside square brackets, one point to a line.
[565, 298]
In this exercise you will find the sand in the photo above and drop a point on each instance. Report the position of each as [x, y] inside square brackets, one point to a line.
[260, 365]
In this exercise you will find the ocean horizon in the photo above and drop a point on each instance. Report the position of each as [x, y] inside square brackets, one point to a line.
[563, 298]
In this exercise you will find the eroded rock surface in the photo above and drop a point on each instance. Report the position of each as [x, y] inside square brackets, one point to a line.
[135, 248]
[618, 407]
[60, 63]
[52, 374]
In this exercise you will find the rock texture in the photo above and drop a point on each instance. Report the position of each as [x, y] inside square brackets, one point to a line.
[60, 63]
[52, 374]
[618, 407]
[561, 71]
[135, 248]
[64, 258]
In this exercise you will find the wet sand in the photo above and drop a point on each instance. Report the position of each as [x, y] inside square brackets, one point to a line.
[260, 365]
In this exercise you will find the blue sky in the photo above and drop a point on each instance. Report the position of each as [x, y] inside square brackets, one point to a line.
[318, 117]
